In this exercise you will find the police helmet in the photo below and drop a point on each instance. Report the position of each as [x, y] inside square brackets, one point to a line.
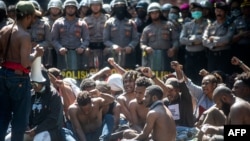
[154, 6]
[95, 2]
[70, 3]
[206, 4]
[142, 4]
[54, 3]
[116, 2]
[166, 7]
[3, 5]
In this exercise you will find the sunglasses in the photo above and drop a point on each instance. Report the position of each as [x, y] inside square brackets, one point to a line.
[34, 84]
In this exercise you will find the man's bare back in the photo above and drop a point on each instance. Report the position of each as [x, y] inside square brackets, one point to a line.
[19, 47]
[239, 113]
[164, 125]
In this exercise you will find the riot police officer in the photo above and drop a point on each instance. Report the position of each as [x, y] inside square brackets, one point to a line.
[70, 37]
[40, 34]
[95, 22]
[120, 35]
[159, 40]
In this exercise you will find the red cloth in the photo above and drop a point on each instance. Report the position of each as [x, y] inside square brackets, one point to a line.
[201, 110]
[15, 66]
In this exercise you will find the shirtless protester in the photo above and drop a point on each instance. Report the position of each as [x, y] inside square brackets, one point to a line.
[137, 108]
[129, 78]
[15, 61]
[159, 119]
[86, 115]
[237, 112]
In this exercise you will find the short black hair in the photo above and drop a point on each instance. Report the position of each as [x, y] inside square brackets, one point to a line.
[83, 98]
[87, 83]
[245, 78]
[155, 90]
[143, 81]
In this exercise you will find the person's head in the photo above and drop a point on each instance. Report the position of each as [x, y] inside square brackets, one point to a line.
[196, 10]
[83, 8]
[241, 87]
[103, 87]
[165, 8]
[40, 83]
[235, 10]
[208, 10]
[184, 9]
[174, 13]
[131, 9]
[154, 11]
[141, 9]
[87, 84]
[173, 89]
[55, 7]
[70, 7]
[120, 9]
[56, 72]
[95, 6]
[141, 84]
[11, 11]
[152, 94]
[245, 8]
[84, 102]
[129, 78]
[26, 12]
[223, 98]
[221, 9]
[209, 83]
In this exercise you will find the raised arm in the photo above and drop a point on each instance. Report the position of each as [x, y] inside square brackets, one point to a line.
[237, 62]
[117, 67]
[149, 73]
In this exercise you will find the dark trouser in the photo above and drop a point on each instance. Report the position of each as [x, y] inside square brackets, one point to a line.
[49, 58]
[95, 59]
[15, 100]
[195, 61]
[219, 61]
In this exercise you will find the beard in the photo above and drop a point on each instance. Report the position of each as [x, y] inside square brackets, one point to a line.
[149, 103]
[225, 108]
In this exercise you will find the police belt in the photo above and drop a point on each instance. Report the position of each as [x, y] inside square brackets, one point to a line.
[195, 53]
[218, 53]
[96, 45]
